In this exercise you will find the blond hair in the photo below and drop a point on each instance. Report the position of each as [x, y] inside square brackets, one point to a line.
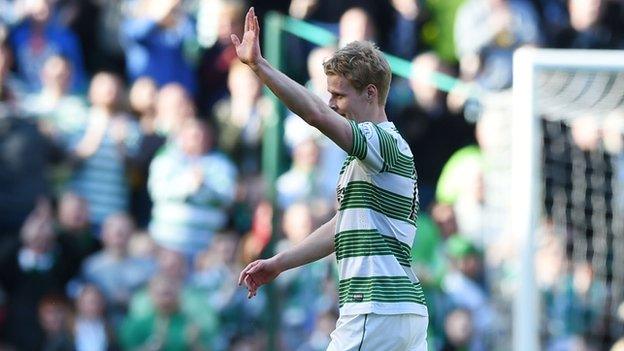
[361, 63]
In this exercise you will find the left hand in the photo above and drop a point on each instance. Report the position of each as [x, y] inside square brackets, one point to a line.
[248, 50]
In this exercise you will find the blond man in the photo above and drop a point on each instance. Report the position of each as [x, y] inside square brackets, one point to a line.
[381, 301]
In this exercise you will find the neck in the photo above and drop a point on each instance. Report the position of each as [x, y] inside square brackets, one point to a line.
[378, 115]
[105, 110]
[54, 93]
[118, 254]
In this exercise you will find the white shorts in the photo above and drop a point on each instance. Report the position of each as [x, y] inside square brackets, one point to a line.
[374, 332]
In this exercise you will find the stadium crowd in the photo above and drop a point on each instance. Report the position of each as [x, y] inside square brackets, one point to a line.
[131, 191]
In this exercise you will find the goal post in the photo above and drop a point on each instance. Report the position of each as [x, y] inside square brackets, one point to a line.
[527, 201]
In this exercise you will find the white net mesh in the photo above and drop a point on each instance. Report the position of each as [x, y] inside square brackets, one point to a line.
[579, 264]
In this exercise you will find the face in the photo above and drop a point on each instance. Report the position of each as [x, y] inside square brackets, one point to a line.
[52, 317]
[143, 95]
[165, 296]
[73, 212]
[90, 302]
[39, 237]
[116, 232]
[56, 73]
[172, 263]
[194, 140]
[345, 99]
[104, 91]
[173, 107]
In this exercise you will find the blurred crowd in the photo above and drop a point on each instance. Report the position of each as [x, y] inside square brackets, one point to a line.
[131, 189]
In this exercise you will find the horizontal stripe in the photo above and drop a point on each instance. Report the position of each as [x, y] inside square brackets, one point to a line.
[100, 197]
[365, 195]
[105, 172]
[105, 211]
[112, 189]
[101, 175]
[371, 266]
[354, 218]
[370, 243]
[391, 182]
[382, 289]
[102, 159]
[384, 308]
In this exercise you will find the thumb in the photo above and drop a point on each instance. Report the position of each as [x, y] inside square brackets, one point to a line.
[235, 39]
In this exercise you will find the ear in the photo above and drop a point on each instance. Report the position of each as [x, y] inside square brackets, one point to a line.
[371, 92]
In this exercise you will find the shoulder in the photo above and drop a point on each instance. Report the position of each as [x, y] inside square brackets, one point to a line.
[368, 129]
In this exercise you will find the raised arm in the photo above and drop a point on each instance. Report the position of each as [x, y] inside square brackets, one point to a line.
[314, 247]
[296, 97]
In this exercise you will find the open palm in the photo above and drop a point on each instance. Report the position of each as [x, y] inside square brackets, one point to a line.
[248, 50]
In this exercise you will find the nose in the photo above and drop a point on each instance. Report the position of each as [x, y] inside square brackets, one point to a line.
[332, 104]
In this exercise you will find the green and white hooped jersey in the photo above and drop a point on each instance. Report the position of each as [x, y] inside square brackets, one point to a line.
[378, 203]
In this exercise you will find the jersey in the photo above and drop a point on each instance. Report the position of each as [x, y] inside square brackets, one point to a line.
[378, 203]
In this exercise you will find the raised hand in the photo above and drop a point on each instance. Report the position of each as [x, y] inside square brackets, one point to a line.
[258, 273]
[248, 50]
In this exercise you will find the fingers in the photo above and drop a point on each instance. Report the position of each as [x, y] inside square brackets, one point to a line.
[257, 27]
[249, 20]
[235, 40]
[243, 273]
[252, 287]
[246, 271]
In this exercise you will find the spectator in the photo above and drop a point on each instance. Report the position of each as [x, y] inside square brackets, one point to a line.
[143, 102]
[112, 270]
[587, 29]
[168, 328]
[356, 24]
[58, 112]
[91, 331]
[29, 270]
[157, 37]
[328, 13]
[74, 232]
[40, 37]
[463, 284]
[458, 328]
[301, 291]
[215, 269]
[219, 54]
[194, 303]
[24, 155]
[301, 183]
[240, 118]
[319, 338]
[11, 89]
[432, 131]
[173, 108]
[192, 187]
[54, 318]
[486, 34]
[110, 136]
[406, 39]
[296, 130]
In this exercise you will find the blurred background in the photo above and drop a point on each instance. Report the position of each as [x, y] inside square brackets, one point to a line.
[142, 166]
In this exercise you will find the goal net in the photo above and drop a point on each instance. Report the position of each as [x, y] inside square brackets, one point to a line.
[566, 200]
